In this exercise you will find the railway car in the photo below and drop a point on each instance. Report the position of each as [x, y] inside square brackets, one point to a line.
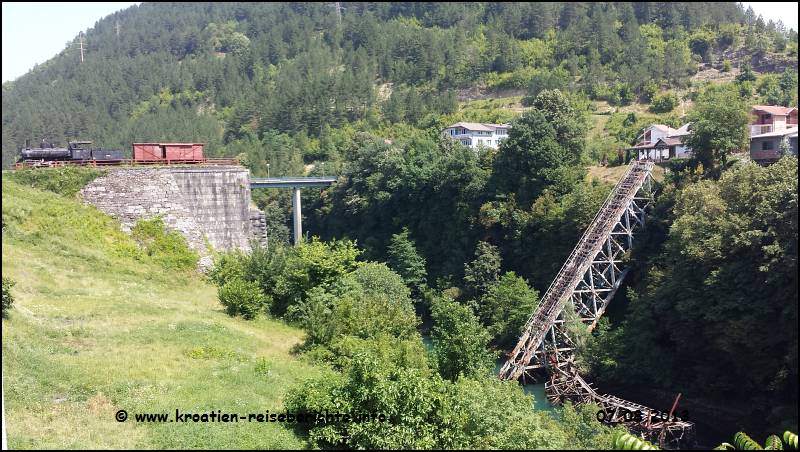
[82, 153]
[76, 151]
[167, 151]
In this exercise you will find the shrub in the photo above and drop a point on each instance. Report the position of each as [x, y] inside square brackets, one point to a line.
[664, 103]
[64, 181]
[227, 267]
[312, 264]
[372, 301]
[167, 248]
[747, 74]
[726, 65]
[649, 90]
[376, 301]
[243, 298]
[8, 298]
[316, 315]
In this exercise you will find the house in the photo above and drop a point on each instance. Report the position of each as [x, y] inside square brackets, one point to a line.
[771, 126]
[771, 118]
[474, 135]
[659, 142]
[766, 147]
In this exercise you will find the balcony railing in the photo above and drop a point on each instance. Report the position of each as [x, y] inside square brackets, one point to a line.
[758, 129]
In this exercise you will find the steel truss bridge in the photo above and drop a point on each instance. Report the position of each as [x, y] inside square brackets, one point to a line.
[581, 291]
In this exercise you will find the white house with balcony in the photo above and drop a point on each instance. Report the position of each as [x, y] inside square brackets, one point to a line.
[475, 135]
[659, 142]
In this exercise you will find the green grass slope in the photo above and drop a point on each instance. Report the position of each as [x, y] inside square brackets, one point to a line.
[97, 326]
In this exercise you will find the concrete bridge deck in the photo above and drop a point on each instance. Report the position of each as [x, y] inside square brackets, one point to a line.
[291, 182]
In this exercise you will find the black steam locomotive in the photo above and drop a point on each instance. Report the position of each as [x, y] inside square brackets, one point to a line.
[75, 151]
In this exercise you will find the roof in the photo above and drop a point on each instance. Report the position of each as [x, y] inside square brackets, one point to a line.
[661, 127]
[777, 133]
[683, 130]
[665, 142]
[774, 109]
[666, 129]
[483, 127]
[472, 126]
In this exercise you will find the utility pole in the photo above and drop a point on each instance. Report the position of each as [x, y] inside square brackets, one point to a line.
[338, 7]
[80, 36]
[118, 28]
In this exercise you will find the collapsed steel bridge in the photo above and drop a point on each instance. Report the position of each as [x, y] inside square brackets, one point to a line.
[585, 285]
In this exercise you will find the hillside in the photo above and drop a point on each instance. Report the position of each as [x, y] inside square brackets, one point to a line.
[95, 330]
[260, 78]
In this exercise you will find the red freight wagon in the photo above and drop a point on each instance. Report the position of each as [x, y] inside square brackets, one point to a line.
[148, 151]
[168, 151]
[183, 151]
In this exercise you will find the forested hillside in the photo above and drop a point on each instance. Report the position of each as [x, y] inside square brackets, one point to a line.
[236, 75]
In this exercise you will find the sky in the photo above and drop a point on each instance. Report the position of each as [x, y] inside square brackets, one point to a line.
[784, 11]
[61, 22]
[35, 32]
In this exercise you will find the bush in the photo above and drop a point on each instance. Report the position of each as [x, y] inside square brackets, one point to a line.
[370, 302]
[8, 298]
[314, 263]
[167, 248]
[649, 90]
[726, 65]
[65, 181]
[376, 302]
[317, 315]
[664, 103]
[227, 267]
[243, 298]
[746, 75]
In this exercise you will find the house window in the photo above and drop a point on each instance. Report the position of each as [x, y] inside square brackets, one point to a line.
[767, 145]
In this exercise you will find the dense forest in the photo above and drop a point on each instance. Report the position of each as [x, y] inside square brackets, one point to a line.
[420, 227]
[230, 74]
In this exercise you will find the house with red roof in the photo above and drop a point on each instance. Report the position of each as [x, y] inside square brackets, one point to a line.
[772, 130]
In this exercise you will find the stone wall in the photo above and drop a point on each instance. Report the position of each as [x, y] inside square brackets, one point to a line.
[205, 204]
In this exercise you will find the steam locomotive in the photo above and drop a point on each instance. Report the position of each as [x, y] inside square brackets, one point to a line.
[75, 151]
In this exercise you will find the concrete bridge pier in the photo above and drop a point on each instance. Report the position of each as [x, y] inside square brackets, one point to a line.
[295, 183]
[297, 216]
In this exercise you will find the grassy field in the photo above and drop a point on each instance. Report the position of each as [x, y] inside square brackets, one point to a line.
[98, 327]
